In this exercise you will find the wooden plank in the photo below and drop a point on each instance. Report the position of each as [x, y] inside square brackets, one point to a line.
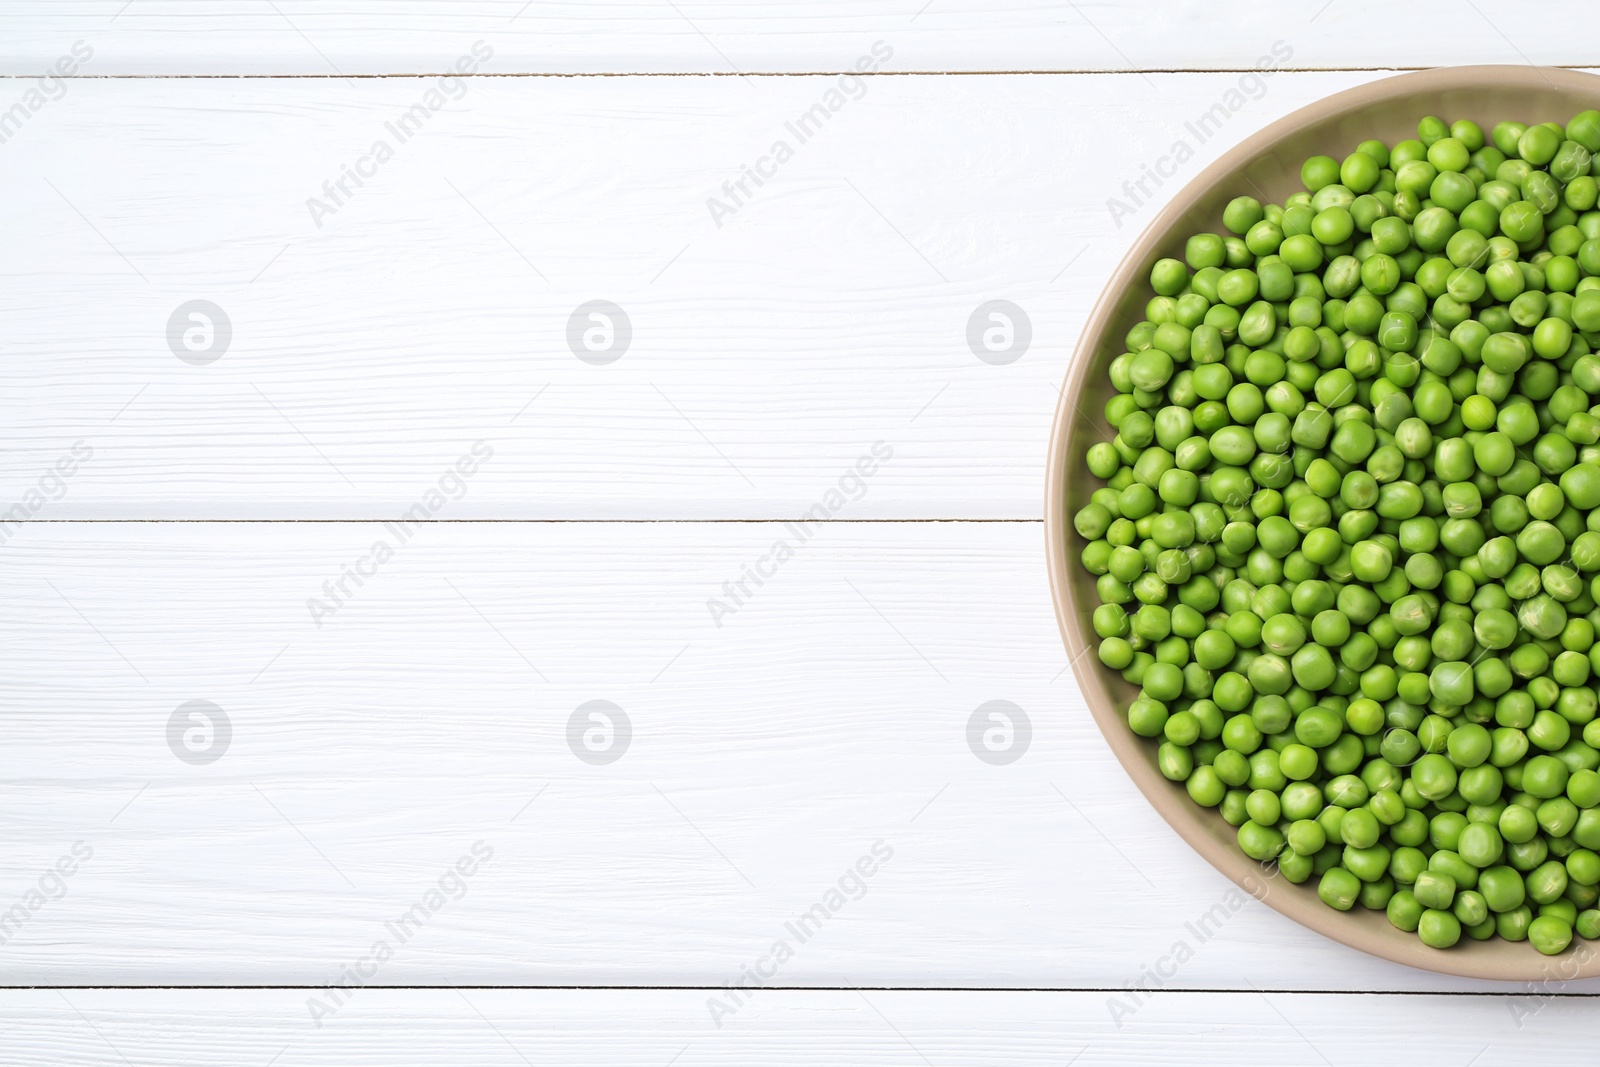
[723, 36]
[813, 751]
[651, 1028]
[771, 349]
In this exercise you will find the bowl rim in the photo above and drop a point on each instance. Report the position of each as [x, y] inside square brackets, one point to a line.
[1485, 960]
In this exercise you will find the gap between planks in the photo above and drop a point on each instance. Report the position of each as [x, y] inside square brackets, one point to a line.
[1068, 72]
[1205, 991]
[1220, 991]
[542, 522]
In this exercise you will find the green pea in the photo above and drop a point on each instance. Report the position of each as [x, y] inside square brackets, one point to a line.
[1439, 929]
[1550, 935]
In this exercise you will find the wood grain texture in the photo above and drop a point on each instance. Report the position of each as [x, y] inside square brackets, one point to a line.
[430, 310]
[726, 36]
[488, 1028]
[432, 711]
[830, 712]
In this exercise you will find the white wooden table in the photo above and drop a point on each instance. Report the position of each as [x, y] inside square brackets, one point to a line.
[397, 511]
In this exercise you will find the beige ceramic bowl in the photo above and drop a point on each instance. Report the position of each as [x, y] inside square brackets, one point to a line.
[1268, 165]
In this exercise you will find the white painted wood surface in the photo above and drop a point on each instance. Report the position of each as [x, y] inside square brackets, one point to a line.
[430, 310]
[429, 713]
[840, 1029]
[727, 36]
[767, 756]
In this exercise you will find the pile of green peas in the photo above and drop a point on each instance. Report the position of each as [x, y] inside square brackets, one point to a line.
[1348, 544]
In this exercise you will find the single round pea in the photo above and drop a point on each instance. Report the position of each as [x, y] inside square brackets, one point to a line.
[1359, 828]
[1259, 842]
[1439, 929]
[1205, 787]
[1434, 776]
[1547, 882]
[1502, 888]
[1339, 888]
[1316, 173]
[1481, 845]
[1550, 935]
[1470, 908]
[1513, 925]
[1404, 912]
